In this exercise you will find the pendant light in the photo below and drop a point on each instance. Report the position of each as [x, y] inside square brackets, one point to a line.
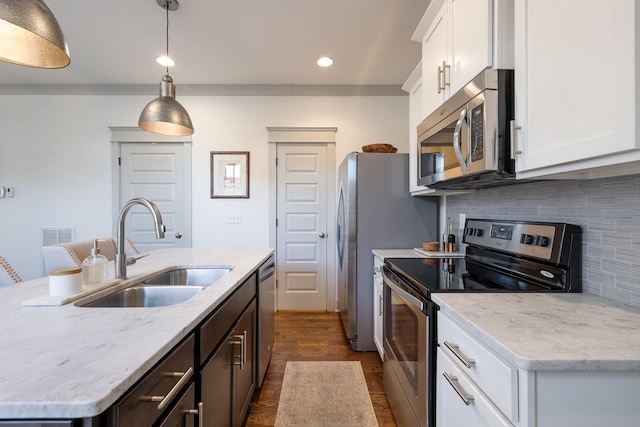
[165, 115]
[30, 35]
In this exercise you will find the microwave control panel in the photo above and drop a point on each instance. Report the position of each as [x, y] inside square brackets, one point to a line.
[477, 125]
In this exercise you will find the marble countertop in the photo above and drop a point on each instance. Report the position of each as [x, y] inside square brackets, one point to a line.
[396, 253]
[541, 331]
[73, 362]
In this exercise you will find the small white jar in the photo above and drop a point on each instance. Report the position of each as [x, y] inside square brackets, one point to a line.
[65, 281]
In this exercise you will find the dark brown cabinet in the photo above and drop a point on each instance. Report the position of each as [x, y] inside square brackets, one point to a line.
[228, 359]
[159, 390]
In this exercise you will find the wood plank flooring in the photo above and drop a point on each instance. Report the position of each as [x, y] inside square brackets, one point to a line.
[313, 336]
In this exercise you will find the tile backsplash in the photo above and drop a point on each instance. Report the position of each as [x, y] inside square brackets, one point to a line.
[608, 210]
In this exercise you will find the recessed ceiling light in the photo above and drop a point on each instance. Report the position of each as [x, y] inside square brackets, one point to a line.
[165, 61]
[325, 61]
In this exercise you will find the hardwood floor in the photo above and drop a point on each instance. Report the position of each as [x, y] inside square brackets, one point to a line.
[313, 336]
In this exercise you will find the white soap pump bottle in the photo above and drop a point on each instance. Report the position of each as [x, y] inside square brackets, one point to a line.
[94, 267]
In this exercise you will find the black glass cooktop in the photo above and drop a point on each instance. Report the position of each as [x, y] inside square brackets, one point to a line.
[467, 275]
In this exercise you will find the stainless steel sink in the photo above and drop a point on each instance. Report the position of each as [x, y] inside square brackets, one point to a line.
[189, 276]
[147, 296]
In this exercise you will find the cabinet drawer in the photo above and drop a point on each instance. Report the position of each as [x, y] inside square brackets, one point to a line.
[171, 374]
[216, 327]
[493, 375]
[451, 410]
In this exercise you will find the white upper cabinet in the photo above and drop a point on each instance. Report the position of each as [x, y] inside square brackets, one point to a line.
[413, 86]
[435, 60]
[576, 88]
[460, 38]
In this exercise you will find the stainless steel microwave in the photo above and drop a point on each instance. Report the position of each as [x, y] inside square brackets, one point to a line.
[466, 143]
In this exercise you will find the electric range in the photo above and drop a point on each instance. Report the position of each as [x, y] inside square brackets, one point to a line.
[500, 256]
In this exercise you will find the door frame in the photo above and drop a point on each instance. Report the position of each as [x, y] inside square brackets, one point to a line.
[132, 134]
[303, 136]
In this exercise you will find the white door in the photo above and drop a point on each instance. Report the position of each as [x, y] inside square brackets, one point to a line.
[157, 172]
[302, 227]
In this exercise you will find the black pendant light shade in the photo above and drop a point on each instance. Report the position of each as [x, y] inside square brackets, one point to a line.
[30, 35]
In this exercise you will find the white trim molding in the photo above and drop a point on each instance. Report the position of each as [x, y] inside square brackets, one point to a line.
[297, 135]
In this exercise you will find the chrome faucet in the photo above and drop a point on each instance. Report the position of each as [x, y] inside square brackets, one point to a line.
[121, 257]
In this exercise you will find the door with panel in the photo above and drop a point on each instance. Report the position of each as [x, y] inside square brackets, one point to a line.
[301, 227]
[161, 173]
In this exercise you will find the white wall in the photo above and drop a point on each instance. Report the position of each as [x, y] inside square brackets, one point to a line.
[55, 151]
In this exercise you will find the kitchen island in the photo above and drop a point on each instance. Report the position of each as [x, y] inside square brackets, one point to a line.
[70, 362]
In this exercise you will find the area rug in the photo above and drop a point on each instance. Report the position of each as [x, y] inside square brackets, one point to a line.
[323, 394]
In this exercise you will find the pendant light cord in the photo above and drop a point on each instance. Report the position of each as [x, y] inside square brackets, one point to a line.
[166, 3]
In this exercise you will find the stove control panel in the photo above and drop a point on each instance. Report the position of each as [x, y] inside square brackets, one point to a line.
[532, 239]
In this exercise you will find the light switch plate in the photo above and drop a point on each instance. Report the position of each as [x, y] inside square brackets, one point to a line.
[234, 218]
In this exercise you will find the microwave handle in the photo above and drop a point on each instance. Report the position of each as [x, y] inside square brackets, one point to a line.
[457, 143]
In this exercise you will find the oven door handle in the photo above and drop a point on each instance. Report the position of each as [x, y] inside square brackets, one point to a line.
[404, 294]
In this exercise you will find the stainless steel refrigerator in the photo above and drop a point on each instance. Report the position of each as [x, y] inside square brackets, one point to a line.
[375, 211]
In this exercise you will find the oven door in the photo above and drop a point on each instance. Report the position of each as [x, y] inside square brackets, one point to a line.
[407, 362]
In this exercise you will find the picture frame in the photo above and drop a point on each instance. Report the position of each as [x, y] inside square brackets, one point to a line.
[229, 174]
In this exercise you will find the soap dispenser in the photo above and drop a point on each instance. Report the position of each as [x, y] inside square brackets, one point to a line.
[94, 267]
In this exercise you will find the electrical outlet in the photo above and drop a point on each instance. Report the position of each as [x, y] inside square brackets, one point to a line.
[234, 218]
[9, 192]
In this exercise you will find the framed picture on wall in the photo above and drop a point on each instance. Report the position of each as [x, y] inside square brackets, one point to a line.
[230, 174]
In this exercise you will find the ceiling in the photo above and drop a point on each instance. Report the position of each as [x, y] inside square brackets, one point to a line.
[233, 42]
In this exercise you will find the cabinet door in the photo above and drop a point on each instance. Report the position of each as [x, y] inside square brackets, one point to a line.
[434, 58]
[377, 306]
[416, 115]
[471, 40]
[216, 389]
[184, 413]
[575, 81]
[244, 363]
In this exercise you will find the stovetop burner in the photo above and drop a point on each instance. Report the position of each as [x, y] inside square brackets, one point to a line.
[501, 256]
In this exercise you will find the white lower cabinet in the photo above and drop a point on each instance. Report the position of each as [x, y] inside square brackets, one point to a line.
[477, 387]
[378, 262]
[459, 402]
[474, 386]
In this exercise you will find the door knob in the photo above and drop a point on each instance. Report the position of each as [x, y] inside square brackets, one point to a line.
[322, 235]
[178, 235]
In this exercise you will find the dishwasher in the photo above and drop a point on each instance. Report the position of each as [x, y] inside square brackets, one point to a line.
[266, 314]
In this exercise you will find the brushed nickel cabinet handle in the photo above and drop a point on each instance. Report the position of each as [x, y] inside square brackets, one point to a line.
[243, 348]
[165, 400]
[240, 342]
[199, 412]
[445, 82]
[512, 130]
[453, 381]
[456, 350]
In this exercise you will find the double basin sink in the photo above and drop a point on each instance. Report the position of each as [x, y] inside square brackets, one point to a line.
[165, 288]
